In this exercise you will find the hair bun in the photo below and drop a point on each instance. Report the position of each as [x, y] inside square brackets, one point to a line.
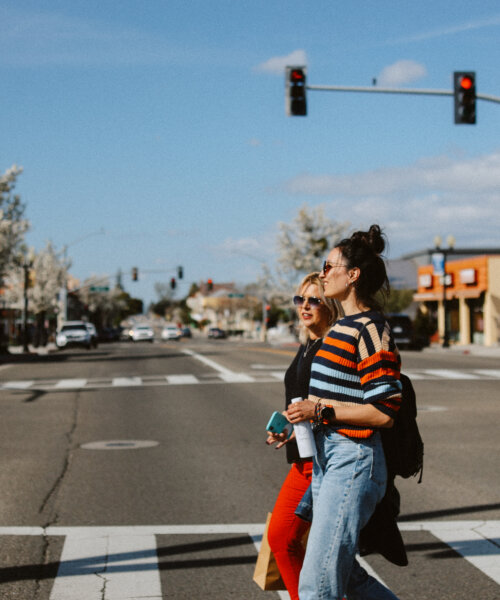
[376, 239]
[373, 238]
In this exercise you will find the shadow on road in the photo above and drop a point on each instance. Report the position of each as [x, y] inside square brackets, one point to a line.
[449, 512]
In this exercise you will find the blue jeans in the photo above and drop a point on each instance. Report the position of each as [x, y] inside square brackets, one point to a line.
[349, 479]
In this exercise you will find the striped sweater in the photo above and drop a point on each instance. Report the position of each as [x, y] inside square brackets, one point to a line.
[358, 363]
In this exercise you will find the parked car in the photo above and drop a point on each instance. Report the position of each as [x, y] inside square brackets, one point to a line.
[93, 333]
[404, 333]
[171, 332]
[74, 333]
[186, 332]
[142, 333]
[216, 333]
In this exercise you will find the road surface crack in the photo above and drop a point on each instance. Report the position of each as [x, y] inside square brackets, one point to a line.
[66, 463]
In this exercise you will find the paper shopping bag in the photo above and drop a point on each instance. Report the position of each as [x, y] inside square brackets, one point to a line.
[266, 574]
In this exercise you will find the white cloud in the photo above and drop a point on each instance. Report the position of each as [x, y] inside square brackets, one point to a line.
[451, 30]
[277, 64]
[437, 195]
[401, 72]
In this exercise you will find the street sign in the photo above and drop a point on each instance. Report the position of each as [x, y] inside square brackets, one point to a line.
[438, 263]
[99, 288]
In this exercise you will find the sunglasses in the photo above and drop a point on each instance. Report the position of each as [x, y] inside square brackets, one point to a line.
[312, 301]
[327, 266]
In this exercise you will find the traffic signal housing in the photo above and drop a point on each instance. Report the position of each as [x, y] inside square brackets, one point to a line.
[135, 274]
[173, 283]
[464, 86]
[180, 272]
[295, 91]
[210, 285]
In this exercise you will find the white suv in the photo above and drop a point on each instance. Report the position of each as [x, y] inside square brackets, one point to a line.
[74, 333]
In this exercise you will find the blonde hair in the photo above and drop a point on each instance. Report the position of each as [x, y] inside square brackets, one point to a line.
[333, 306]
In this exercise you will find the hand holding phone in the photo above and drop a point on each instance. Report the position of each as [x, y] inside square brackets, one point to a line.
[277, 423]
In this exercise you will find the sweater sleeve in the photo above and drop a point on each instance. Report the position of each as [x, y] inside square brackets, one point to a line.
[379, 367]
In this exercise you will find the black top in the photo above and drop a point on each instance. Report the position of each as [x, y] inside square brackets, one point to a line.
[297, 384]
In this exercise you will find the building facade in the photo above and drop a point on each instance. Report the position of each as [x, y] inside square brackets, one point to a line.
[468, 297]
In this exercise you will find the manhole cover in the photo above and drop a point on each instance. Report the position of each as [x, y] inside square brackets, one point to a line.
[119, 445]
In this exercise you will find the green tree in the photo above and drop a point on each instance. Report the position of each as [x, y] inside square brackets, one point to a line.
[398, 300]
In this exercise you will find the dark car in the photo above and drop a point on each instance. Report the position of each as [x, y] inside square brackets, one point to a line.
[404, 333]
[216, 333]
[186, 332]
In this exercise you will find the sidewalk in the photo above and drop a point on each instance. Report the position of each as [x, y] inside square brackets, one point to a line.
[472, 349]
[40, 351]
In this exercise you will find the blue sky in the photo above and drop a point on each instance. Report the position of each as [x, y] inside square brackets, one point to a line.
[153, 133]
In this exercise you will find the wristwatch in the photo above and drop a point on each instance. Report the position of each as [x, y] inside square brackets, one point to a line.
[327, 414]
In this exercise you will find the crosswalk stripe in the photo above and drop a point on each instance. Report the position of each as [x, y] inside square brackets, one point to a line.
[111, 567]
[126, 381]
[278, 374]
[181, 379]
[470, 544]
[450, 374]
[488, 372]
[236, 377]
[70, 383]
[17, 385]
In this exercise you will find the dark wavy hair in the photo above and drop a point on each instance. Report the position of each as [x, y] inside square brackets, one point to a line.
[363, 250]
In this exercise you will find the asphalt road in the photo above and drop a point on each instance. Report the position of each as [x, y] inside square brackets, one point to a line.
[146, 464]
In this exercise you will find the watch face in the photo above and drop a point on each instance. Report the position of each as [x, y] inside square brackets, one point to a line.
[327, 413]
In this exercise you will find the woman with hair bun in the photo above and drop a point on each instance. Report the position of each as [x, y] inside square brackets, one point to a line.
[354, 391]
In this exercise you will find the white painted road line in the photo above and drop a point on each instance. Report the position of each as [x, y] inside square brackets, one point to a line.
[232, 377]
[473, 546]
[489, 372]
[126, 381]
[450, 374]
[108, 567]
[70, 383]
[224, 373]
[113, 563]
[181, 379]
[278, 375]
[17, 385]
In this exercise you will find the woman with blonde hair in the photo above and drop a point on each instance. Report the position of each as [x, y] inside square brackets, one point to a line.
[316, 315]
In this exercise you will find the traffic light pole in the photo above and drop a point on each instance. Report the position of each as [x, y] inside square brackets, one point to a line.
[379, 90]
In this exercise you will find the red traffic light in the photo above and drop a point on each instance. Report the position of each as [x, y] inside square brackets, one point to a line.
[466, 82]
[297, 75]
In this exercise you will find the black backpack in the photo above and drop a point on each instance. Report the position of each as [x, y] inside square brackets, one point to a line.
[403, 445]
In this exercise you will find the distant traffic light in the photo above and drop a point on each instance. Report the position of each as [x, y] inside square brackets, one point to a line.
[173, 283]
[210, 285]
[464, 85]
[295, 92]
[180, 272]
[135, 274]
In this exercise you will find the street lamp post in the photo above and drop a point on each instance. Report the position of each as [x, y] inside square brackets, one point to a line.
[27, 266]
[445, 251]
[63, 314]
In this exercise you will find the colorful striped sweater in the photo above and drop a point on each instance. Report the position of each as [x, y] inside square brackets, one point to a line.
[358, 363]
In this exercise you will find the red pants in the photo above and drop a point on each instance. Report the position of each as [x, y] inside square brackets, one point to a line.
[286, 530]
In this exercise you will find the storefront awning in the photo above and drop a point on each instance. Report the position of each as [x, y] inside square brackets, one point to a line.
[450, 294]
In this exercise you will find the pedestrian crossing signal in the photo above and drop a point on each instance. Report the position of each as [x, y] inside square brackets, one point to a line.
[295, 92]
[465, 97]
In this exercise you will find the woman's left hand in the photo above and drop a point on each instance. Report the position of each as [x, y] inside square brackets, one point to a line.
[301, 411]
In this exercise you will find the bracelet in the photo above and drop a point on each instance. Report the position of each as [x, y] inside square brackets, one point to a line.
[317, 411]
